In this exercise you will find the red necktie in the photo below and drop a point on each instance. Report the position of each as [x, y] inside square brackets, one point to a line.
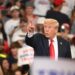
[51, 50]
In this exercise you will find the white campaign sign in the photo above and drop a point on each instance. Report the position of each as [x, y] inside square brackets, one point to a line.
[25, 55]
[45, 66]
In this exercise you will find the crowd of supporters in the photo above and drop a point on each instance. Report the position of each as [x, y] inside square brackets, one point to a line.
[17, 15]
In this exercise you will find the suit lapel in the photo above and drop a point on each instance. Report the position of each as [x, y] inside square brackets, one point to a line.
[46, 46]
[60, 47]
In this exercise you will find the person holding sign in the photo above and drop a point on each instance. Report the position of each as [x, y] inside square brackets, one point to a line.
[48, 43]
[25, 55]
[25, 58]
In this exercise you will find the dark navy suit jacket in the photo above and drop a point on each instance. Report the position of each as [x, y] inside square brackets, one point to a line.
[41, 46]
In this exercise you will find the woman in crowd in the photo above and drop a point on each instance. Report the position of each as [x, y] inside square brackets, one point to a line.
[13, 55]
[6, 67]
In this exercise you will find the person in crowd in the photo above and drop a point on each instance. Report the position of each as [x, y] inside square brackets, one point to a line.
[73, 47]
[68, 6]
[1, 5]
[41, 7]
[39, 24]
[12, 24]
[73, 21]
[1, 73]
[2, 54]
[25, 1]
[65, 30]
[13, 56]
[18, 72]
[3, 39]
[3, 16]
[17, 3]
[20, 34]
[56, 14]
[25, 69]
[48, 44]
[6, 67]
[29, 7]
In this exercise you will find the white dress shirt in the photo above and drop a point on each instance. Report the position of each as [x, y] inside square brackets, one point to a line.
[55, 43]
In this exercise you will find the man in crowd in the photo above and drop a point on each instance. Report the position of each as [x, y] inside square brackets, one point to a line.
[56, 14]
[41, 7]
[12, 24]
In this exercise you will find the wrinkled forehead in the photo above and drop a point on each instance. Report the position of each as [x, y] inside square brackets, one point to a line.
[51, 22]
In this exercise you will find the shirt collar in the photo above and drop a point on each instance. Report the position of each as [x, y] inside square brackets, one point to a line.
[55, 39]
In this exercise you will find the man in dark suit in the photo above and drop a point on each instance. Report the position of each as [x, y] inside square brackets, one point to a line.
[56, 14]
[41, 42]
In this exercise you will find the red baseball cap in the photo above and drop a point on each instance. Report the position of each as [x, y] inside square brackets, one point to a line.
[58, 2]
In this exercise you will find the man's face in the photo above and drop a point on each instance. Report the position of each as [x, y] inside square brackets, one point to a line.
[15, 13]
[50, 30]
[29, 10]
